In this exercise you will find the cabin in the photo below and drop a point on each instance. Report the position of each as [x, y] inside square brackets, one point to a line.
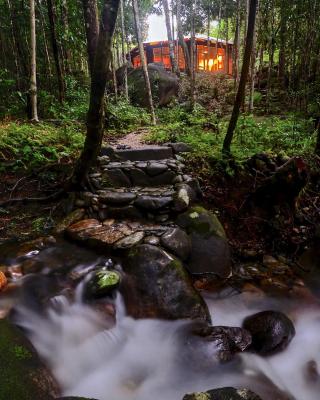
[212, 55]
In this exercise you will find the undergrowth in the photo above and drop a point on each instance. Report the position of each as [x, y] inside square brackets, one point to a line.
[27, 146]
[290, 135]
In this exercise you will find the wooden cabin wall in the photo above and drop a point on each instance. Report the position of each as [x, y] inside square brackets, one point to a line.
[206, 59]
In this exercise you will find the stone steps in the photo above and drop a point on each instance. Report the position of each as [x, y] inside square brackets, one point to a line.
[114, 234]
[143, 203]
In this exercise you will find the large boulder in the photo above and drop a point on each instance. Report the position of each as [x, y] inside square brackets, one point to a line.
[22, 374]
[227, 393]
[156, 285]
[210, 253]
[164, 85]
[271, 331]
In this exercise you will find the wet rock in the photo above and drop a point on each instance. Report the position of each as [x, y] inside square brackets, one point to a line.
[70, 219]
[227, 393]
[3, 281]
[210, 253]
[205, 346]
[157, 286]
[183, 198]
[154, 169]
[139, 177]
[22, 374]
[165, 178]
[180, 147]
[129, 241]
[271, 331]
[177, 242]
[122, 212]
[74, 398]
[116, 198]
[144, 154]
[102, 283]
[154, 240]
[116, 177]
[153, 202]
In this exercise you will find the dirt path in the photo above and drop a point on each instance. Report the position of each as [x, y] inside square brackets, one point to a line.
[133, 139]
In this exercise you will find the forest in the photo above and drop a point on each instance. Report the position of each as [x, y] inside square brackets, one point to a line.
[159, 199]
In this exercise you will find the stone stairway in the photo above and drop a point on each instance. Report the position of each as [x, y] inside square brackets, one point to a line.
[141, 208]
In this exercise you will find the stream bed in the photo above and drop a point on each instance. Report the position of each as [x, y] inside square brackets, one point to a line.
[97, 351]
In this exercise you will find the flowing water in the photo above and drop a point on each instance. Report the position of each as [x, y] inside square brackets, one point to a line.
[141, 359]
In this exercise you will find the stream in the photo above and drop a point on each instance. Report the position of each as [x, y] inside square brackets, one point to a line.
[141, 359]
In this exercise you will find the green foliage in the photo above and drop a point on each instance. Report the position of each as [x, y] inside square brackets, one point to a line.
[124, 117]
[291, 135]
[28, 146]
[21, 352]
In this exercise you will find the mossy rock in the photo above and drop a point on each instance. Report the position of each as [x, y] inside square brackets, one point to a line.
[210, 253]
[102, 283]
[156, 285]
[22, 374]
[199, 220]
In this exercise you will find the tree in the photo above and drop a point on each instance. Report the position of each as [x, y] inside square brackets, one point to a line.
[123, 39]
[243, 79]
[182, 42]
[174, 65]
[95, 116]
[55, 48]
[91, 19]
[33, 65]
[143, 59]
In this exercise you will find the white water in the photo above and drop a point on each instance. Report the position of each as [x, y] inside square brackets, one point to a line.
[137, 359]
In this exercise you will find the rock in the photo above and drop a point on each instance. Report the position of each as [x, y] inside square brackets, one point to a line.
[205, 346]
[116, 177]
[146, 153]
[117, 198]
[153, 203]
[22, 374]
[139, 177]
[3, 281]
[157, 286]
[227, 393]
[102, 283]
[130, 212]
[70, 219]
[154, 240]
[74, 398]
[210, 252]
[154, 169]
[129, 241]
[177, 242]
[183, 197]
[164, 86]
[271, 331]
[180, 147]
[165, 178]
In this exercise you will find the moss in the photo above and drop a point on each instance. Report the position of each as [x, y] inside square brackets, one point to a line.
[201, 221]
[107, 278]
[22, 375]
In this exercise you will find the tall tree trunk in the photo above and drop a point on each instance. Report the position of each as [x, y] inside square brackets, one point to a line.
[33, 64]
[244, 76]
[99, 73]
[236, 48]
[65, 42]
[55, 48]
[123, 39]
[208, 39]
[182, 42]
[282, 50]
[218, 33]
[227, 42]
[170, 39]
[91, 19]
[143, 59]
[48, 59]
[193, 54]
[114, 77]
[253, 65]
